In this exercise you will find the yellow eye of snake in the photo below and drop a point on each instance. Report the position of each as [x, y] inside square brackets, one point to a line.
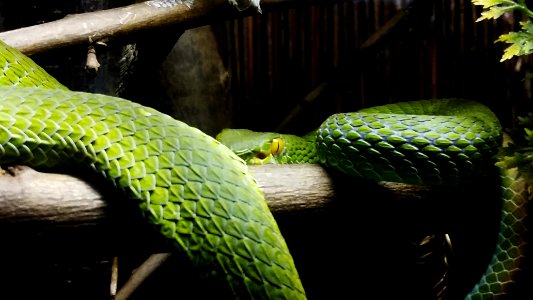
[277, 146]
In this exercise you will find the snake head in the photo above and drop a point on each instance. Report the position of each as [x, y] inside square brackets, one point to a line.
[255, 148]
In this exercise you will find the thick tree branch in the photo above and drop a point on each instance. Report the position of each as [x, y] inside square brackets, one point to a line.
[39, 207]
[27, 195]
[118, 22]
[107, 24]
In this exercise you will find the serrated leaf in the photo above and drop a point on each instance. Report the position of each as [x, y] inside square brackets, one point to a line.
[509, 52]
[521, 41]
[487, 3]
[493, 13]
[529, 133]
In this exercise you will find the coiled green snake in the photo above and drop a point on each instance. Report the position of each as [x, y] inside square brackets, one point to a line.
[198, 193]
[432, 142]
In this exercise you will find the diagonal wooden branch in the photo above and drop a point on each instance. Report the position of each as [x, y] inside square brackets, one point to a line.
[111, 23]
[118, 22]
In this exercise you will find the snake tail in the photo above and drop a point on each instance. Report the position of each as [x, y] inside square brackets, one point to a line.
[506, 267]
[194, 190]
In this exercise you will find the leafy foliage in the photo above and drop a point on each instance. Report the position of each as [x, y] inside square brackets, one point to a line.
[521, 41]
[519, 153]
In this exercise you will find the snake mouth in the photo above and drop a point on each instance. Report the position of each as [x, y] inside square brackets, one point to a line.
[268, 152]
[262, 158]
[261, 155]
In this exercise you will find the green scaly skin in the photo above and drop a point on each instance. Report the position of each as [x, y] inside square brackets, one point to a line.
[254, 147]
[433, 142]
[196, 191]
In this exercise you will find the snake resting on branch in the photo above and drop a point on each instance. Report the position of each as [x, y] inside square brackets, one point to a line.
[429, 142]
[199, 194]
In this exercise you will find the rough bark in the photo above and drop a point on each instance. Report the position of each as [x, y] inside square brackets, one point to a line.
[106, 24]
[37, 208]
[103, 25]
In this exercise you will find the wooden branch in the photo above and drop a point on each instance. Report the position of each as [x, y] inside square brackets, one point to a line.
[27, 195]
[111, 23]
[108, 24]
[141, 273]
[36, 208]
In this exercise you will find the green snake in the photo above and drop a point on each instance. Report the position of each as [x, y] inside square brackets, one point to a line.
[430, 142]
[199, 194]
[195, 191]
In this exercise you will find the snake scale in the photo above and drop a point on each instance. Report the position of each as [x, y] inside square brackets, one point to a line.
[430, 142]
[199, 194]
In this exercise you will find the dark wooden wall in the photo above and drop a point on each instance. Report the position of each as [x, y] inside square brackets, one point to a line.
[365, 53]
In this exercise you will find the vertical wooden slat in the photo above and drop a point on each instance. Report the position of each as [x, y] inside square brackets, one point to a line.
[272, 55]
[278, 57]
[314, 42]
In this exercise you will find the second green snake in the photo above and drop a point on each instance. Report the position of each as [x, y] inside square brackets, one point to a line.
[430, 142]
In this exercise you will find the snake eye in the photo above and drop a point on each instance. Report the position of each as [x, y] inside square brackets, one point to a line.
[277, 146]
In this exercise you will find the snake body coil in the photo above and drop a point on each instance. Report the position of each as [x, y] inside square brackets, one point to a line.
[196, 191]
[433, 142]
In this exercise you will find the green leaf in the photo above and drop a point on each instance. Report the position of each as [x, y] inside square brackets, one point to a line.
[493, 13]
[519, 153]
[526, 122]
[496, 8]
[529, 136]
[509, 52]
[487, 3]
[521, 41]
